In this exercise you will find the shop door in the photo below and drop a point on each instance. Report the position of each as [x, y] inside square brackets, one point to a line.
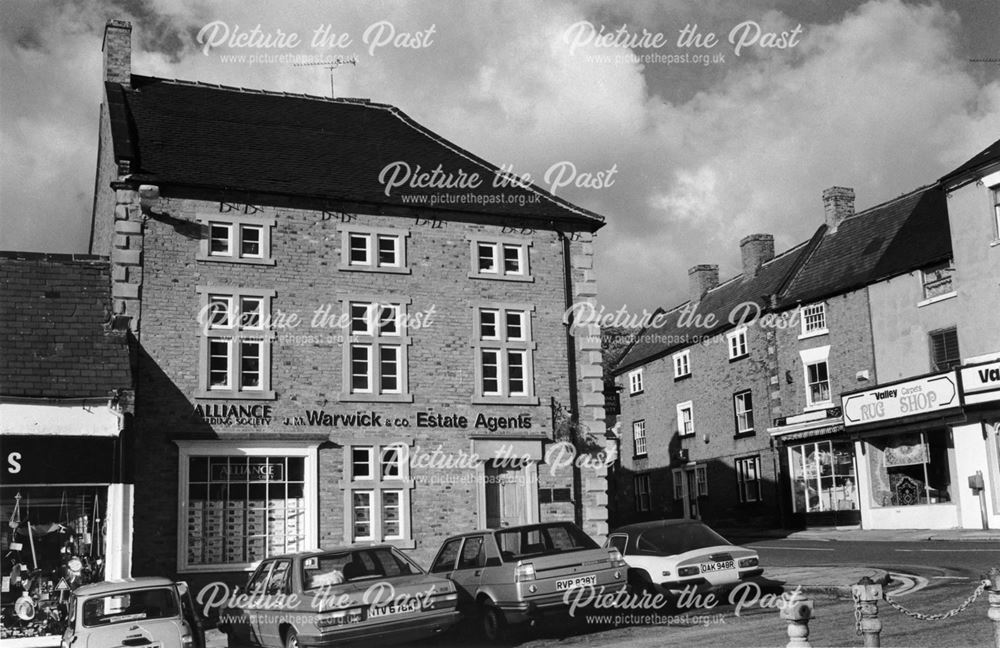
[506, 496]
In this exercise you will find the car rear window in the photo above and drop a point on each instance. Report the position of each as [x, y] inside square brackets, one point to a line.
[677, 538]
[542, 540]
[120, 607]
[348, 566]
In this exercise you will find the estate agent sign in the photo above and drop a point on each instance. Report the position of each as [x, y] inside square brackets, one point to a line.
[888, 402]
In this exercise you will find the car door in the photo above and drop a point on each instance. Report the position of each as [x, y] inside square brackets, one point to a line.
[245, 629]
[444, 566]
[469, 568]
[269, 616]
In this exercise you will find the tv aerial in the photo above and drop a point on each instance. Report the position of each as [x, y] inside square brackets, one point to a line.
[332, 65]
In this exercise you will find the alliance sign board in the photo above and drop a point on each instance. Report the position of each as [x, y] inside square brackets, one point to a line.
[910, 398]
[981, 383]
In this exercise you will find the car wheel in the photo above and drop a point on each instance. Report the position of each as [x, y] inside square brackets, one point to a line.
[291, 639]
[493, 623]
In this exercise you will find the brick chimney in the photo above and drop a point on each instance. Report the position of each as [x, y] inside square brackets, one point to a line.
[756, 249]
[117, 48]
[701, 279]
[838, 204]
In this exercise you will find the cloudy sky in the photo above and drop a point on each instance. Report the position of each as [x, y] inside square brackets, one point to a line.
[705, 145]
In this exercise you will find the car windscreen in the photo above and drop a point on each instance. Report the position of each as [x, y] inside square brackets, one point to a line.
[355, 565]
[542, 540]
[136, 605]
[673, 539]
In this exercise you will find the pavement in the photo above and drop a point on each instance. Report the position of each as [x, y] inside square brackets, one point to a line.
[855, 534]
[820, 581]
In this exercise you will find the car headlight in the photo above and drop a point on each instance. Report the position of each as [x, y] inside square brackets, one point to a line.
[749, 562]
[688, 571]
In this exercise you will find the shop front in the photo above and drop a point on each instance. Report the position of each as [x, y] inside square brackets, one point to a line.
[67, 512]
[911, 456]
[980, 459]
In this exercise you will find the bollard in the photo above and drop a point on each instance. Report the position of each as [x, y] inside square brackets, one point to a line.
[866, 596]
[797, 612]
[994, 597]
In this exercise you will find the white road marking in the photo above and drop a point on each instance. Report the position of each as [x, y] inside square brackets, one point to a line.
[951, 577]
[950, 550]
[789, 548]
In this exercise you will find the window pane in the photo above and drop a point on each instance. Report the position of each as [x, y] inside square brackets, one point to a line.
[251, 309]
[391, 521]
[389, 320]
[389, 368]
[491, 377]
[361, 463]
[512, 259]
[515, 372]
[487, 257]
[252, 237]
[219, 307]
[359, 249]
[515, 325]
[360, 367]
[362, 514]
[250, 362]
[361, 314]
[391, 462]
[219, 239]
[218, 364]
[388, 251]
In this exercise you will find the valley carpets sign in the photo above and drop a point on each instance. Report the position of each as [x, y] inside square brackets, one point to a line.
[889, 402]
[981, 383]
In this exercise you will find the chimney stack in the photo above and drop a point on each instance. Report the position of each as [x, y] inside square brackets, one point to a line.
[838, 204]
[117, 48]
[757, 249]
[701, 279]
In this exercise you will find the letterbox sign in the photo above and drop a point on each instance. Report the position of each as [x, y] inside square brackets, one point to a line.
[981, 383]
[899, 400]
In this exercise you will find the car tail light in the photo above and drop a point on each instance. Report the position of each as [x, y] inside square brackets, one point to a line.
[749, 562]
[66, 643]
[524, 572]
[441, 600]
[616, 558]
[688, 571]
[340, 617]
[187, 641]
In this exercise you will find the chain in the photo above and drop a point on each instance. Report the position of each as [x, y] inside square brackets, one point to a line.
[857, 614]
[937, 617]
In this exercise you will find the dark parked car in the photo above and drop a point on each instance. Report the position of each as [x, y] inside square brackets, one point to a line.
[513, 575]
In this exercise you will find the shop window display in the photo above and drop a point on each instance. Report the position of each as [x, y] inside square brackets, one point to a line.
[823, 477]
[53, 543]
[909, 469]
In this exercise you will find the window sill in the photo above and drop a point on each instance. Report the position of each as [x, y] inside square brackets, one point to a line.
[497, 277]
[635, 393]
[939, 298]
[378, 269]
[686, 436]
[504, 400]
[812, 334]
[739, 357]
[235, 395]
[640, 456]
[375, 398]
[237, 260]
[995, 242]
[746, 434]
[815, 407]
[680, 378]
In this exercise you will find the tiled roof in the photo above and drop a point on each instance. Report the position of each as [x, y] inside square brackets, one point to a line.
[197, 135]
[898, 236]
[721, 303]
[987, 156]
[55, 338]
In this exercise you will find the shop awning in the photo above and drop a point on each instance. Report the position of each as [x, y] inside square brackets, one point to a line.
[797, 433]
[53, 418]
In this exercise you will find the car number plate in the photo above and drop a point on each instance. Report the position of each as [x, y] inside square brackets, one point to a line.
[717, 566]
[388, 610]
[579, 581]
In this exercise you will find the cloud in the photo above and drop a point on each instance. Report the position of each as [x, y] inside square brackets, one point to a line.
[877, 98]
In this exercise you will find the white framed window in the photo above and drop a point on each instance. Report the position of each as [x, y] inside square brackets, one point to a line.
[643, 501]
[240, 502]
[677, 478]
[813, 320]
[373, 249]
[944, 349]
[685, 418]
[743, 409]
[236, 239]
[635, 381]
[375, 361]
[499, 258]
[639, 437]
[816, 372]
[736, 341]
[503, 346]
[748, 479]
[995, 194]
[937, 280]
[377, 494]
[682, 364]
[235, 343]
[701, 480]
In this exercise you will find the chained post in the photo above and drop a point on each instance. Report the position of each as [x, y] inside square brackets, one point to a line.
[866, 597]
[797, 612]
[994, 599]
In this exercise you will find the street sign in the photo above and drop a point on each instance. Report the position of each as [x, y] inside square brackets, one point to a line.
[888, 402]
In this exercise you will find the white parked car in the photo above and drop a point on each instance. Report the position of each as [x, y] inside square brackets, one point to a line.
[666, 556]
